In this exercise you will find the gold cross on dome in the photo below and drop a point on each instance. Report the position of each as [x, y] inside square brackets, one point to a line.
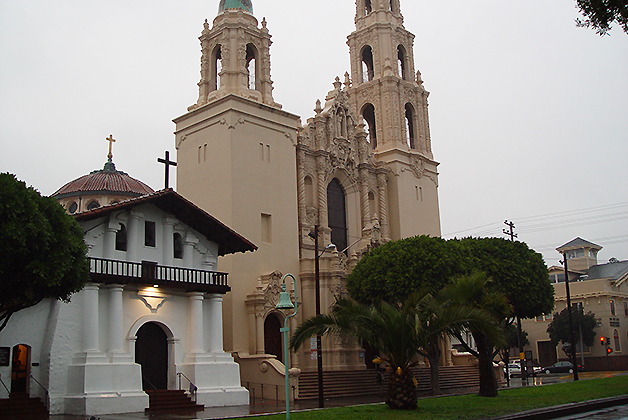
[110, 139]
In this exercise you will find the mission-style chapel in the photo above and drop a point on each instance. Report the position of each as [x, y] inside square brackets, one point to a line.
[361, 169]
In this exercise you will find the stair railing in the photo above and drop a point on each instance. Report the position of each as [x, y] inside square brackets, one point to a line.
[191, 389]
[46, 394]
[149, 382]
[5, 387]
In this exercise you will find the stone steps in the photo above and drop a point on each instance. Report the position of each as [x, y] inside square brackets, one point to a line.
[171, 401]
[23, 407]
[364, 382]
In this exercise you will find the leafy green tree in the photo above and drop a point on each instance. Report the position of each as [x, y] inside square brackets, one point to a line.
[42, 249]
[558, 329]
[397, 269]
[601, 14]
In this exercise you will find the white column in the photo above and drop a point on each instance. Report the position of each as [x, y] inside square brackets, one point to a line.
[134, 235]
[188, 250]
[90, 318]
[168, 240]
[109, 239]
[196, 327]
[115, 319]
[215, 323]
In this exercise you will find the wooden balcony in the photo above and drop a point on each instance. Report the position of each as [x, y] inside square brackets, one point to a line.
[149, 273]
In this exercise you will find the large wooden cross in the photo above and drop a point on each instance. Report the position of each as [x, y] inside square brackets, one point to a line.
[111, 140]
[168, 164]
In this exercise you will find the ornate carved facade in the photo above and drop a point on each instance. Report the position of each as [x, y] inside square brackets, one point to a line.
[361, 169]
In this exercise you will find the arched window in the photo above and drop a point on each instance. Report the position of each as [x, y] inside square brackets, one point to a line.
[616, 340]
[367, 6]
[401, 62]
[121, 239]
[309, 191]
[93, 205]
[368, 113]
[251, 66]
[410, 139]
[336, 214]
[367, 64]
[177, 245]
[216, 67]
[388, 4]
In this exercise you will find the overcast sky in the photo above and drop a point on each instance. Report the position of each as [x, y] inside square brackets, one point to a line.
[528, 113]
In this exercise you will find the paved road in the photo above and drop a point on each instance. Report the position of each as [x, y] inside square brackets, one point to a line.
[619, 412]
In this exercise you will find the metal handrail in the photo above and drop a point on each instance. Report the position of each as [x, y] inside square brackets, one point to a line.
[46, 393]
[149, 382]
[192, 389]
[5, 387]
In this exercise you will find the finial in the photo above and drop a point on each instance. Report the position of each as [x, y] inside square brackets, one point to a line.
[206, 25]
[111, 140]
[418, 78]
[264, 22]
[318, 108]
[347, 80]
[337, 83]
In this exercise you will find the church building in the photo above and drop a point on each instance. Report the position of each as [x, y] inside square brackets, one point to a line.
[147, 325]
[358, 173]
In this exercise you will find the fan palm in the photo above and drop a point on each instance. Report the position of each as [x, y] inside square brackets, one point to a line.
[399, 332]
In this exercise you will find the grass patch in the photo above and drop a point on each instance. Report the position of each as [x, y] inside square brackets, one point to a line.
[469, 407]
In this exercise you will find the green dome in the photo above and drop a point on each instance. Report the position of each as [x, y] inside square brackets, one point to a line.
[245, 5]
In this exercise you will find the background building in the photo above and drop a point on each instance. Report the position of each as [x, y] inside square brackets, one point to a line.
[598, 288]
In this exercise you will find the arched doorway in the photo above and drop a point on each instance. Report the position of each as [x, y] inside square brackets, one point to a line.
[272, 336]
[336, 213]
[21, 369]
[151, 352]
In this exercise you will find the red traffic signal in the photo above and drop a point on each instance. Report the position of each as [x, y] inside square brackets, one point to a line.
[602, 341]
[609, 350]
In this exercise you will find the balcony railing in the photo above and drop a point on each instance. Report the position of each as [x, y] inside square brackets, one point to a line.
[150, 273]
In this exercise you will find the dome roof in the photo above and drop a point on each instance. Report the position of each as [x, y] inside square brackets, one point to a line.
[245, 5]
[104, 181]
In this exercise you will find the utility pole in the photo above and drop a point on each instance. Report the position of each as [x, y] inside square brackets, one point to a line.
[524, 378]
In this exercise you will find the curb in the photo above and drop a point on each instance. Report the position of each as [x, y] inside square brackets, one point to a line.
[566, 409]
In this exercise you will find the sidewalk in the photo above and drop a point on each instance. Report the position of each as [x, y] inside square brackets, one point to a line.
[271, 406]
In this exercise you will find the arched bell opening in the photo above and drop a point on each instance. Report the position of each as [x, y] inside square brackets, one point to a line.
[368, 72]
[216, 67]
[409, 119]
[252, 67]
[368, 114]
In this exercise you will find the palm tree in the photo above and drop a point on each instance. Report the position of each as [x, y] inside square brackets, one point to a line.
[400, 333]
[389, 328]
[477, 291]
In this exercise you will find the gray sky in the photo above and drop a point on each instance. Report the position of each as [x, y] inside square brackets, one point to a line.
[528, 113]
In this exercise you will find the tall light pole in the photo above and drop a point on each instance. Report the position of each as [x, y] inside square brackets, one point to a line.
[571, 332]
[317, 278]
[285, 303]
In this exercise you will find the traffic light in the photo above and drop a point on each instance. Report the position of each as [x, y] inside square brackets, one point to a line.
[602, 341]
[609, 350]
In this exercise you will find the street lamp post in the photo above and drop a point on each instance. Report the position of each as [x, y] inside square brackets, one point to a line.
[285, 303]
[317, 277]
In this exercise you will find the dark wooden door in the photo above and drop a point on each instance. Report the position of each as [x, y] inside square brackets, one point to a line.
[272, 337]
[151, 352]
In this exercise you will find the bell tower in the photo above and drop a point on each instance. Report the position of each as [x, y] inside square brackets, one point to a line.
[236, 160]
[235, 56]
[387, 93]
